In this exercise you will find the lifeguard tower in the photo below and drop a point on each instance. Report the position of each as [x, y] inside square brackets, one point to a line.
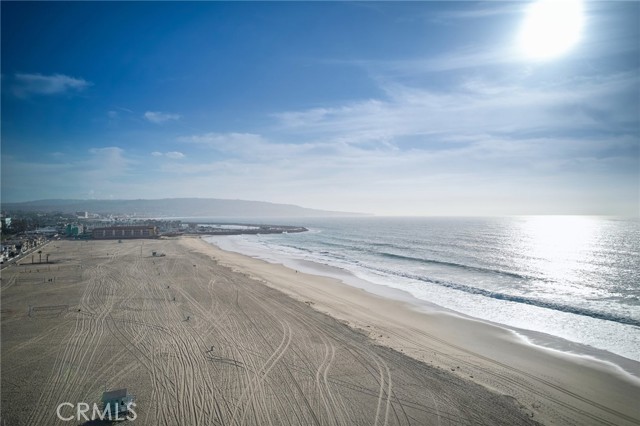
[118, 401]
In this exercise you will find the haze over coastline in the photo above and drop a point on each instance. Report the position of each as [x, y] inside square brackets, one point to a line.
[175, 207]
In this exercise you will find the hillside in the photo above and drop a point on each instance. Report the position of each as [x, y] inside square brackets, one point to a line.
[174, 207]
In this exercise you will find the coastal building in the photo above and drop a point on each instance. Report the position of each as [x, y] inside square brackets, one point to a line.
[121, 232]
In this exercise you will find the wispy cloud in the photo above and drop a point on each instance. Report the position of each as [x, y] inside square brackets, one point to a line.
[108, 162]
[480, 10]
[476, 106]
[483, 169]
[160, 117]
[257, 148]
[479, 129]
[227, 142]
[37, 84]
[174, 155]
[468, 58]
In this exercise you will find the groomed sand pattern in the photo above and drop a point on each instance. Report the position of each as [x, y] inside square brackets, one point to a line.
[198, 344]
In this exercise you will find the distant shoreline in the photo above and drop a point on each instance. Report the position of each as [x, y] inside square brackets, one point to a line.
[218, 228]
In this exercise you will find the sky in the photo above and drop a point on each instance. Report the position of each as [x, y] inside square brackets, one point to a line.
[389, 108]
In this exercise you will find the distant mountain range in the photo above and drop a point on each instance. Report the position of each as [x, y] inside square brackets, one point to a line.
[174, 207]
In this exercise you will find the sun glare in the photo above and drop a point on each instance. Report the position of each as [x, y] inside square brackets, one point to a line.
[551, 28]
[558, 245]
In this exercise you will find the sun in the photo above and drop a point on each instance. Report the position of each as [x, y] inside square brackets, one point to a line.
[551, 28]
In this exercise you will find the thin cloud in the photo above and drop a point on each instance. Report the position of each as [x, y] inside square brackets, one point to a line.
[160, 117]
[472, 57]
[423, 176]
[108, 161]
[254, 147]
[174, 155]
[224, 141]
[475, 106]
[37, 84]
[482, 11]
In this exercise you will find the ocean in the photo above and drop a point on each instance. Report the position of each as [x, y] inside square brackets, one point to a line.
[576, 278]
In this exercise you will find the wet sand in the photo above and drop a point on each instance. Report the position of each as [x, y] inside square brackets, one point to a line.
[198, 338]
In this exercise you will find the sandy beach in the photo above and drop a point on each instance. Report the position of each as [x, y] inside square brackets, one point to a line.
[203, 336]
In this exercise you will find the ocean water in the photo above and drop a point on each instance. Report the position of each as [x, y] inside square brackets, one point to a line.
[575, 277]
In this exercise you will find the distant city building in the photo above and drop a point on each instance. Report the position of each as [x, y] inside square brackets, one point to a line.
[7, 222]
[49, 231]
[82, 215]
[73, 230]
[120, 232]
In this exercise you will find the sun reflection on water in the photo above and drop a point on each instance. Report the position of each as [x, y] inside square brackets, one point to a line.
[558, 247]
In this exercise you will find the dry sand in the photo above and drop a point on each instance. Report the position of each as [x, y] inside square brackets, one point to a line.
[231, 350]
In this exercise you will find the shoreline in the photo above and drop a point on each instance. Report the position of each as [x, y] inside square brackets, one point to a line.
[535, 338]
[477, 350]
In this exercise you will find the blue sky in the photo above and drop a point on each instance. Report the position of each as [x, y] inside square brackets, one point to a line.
[420, 108]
